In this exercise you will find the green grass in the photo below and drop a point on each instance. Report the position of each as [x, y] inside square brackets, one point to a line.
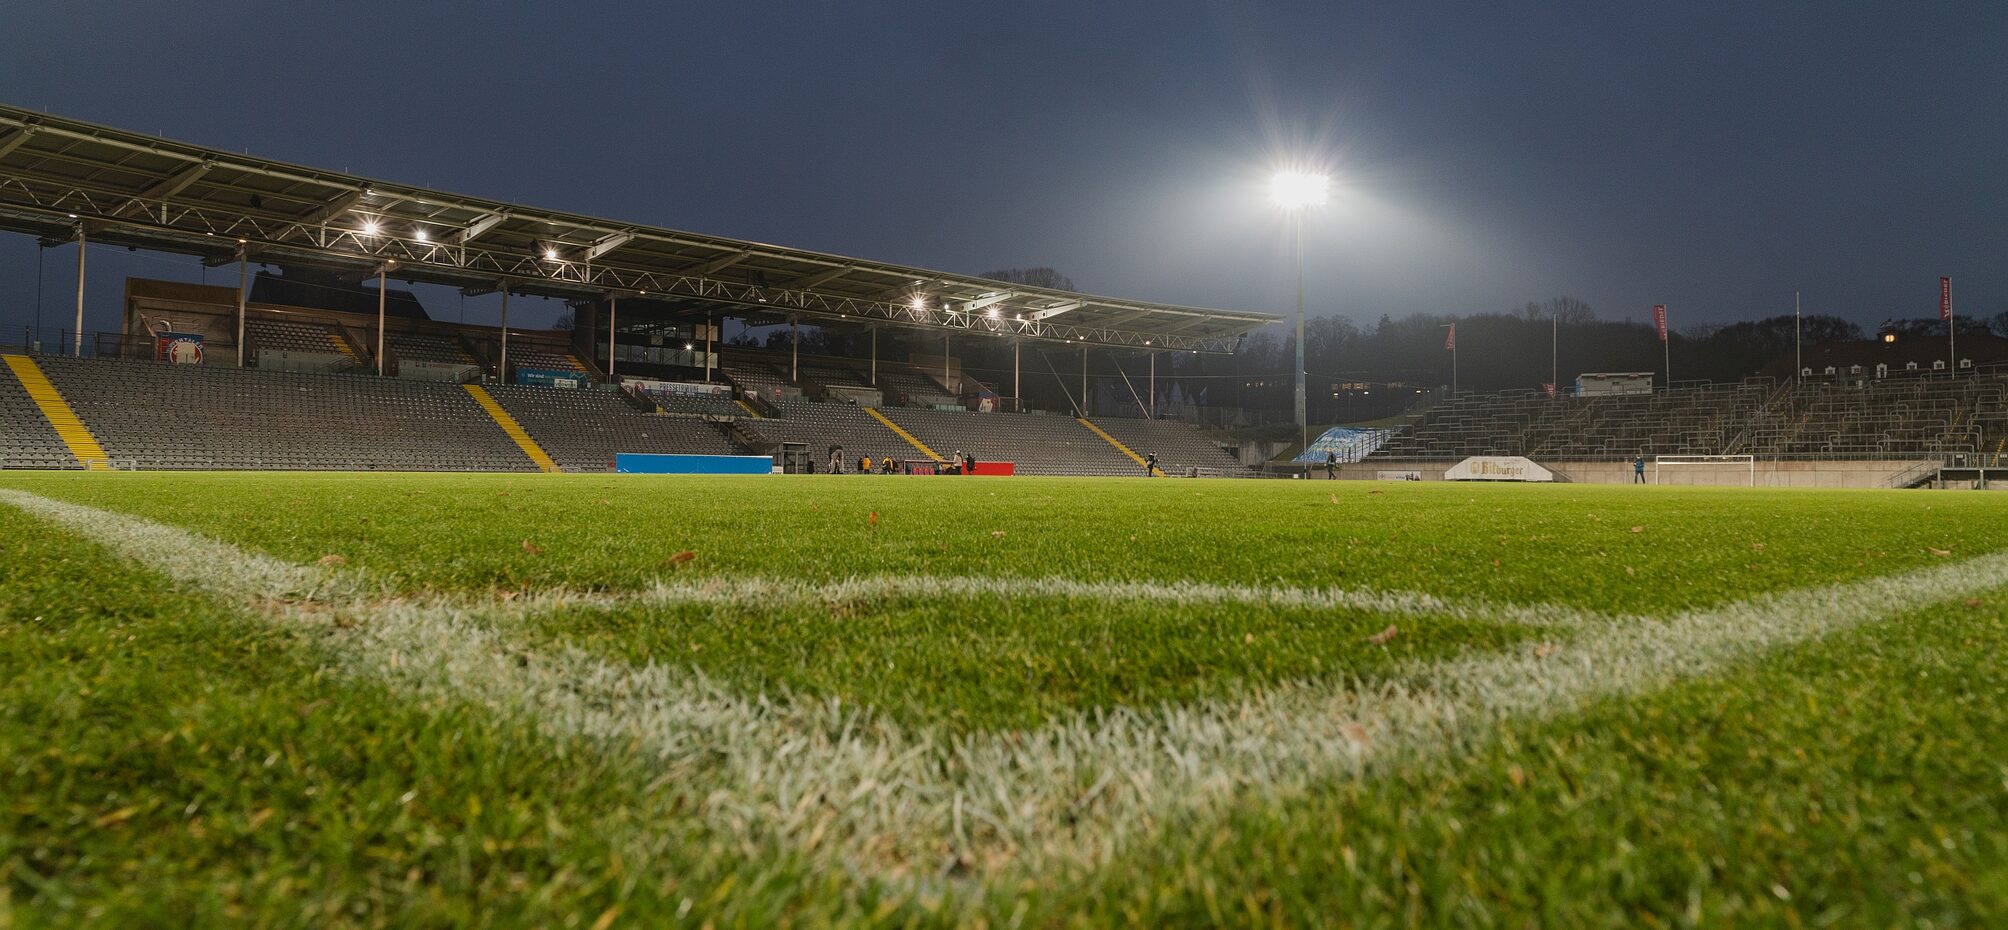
[1856, 782]
[986, 663]
[1553, 544]
[173, 760]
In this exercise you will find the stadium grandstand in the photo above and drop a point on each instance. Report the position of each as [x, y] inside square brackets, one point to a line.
[1849, 428]
[313, 361]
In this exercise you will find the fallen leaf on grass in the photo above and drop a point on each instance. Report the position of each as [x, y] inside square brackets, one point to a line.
[1381, 638]
[874, 518]
[1247, 638]
[680, 558]
[532, 548]
[1335, 498]
[1941, 553]
[1374, 492]
[1516, 775]
[1975, 602]
[1357, 734]
[1545, 650]
[1638, 529]
[997, 533]
[334, 560]
[123, 813]
[1756, 547]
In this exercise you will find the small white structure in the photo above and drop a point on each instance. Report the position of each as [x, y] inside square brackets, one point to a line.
[1606, 383]
[1497, 468]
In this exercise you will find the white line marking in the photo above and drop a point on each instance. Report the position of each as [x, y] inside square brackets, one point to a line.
[854, 790]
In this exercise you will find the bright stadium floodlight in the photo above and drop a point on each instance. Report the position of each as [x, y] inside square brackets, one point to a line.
[369, 227]
[1294, 190]
[419, 235]
[550, 255]
[919, 302]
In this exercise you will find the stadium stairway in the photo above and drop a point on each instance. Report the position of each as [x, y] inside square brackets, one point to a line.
[511, 427]
[58, 412]
[1111, 440]
[903, 434]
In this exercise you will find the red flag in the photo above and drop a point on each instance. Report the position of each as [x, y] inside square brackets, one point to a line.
[1659, 320]
[1450, 340]
[1945, 299]
[1548, 388]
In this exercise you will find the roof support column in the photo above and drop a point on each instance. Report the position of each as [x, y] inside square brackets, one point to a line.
[242, 273]
[874, 356]
[1017, 380]
[944, 363]
[1084, 379]
[82, 246]
[502, 365]
[1153, 385]
[795, 350]
[710, 333]
[380, 315]
[613, 318]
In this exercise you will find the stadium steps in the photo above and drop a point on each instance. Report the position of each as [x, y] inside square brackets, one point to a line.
[71, 430]
[1111, 440]
[510, 426]
[903, 434]
[755, 414]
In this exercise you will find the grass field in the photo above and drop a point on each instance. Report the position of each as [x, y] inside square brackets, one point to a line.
[315, 700]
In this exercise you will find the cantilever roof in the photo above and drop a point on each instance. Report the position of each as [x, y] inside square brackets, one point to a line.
[60, 176]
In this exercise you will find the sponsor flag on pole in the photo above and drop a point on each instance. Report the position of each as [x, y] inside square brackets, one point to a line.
[1548, 388]
[1659, 320]
[1945, 299]
[1450, 339]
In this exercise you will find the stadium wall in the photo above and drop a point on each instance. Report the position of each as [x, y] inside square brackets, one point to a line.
[1784, 474]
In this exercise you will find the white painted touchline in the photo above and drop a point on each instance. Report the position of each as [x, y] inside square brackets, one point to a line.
[855, 790]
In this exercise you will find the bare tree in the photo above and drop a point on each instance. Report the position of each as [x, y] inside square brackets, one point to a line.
[1564, 309]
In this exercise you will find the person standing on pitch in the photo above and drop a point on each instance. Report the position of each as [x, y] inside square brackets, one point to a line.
[1331, 465]
[1149, 464]
[1638, 469]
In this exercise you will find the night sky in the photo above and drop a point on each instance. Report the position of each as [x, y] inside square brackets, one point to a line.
[1713, 157]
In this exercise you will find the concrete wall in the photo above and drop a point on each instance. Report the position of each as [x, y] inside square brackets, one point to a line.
[1877, 474]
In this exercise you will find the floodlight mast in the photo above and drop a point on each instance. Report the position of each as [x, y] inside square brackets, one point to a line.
[1296, 191]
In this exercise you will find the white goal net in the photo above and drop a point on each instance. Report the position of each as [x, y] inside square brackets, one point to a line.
[1704, 469]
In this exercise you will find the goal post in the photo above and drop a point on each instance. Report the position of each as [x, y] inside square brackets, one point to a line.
[1704, 469]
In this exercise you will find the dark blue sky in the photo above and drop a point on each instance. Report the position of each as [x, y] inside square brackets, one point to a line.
[1709, 156]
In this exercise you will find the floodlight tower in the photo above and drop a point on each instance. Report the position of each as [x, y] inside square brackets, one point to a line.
[1295, 192]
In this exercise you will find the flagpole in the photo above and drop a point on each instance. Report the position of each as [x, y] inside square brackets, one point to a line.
[1666, 345]
[1951, 334]
[1554, 351]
